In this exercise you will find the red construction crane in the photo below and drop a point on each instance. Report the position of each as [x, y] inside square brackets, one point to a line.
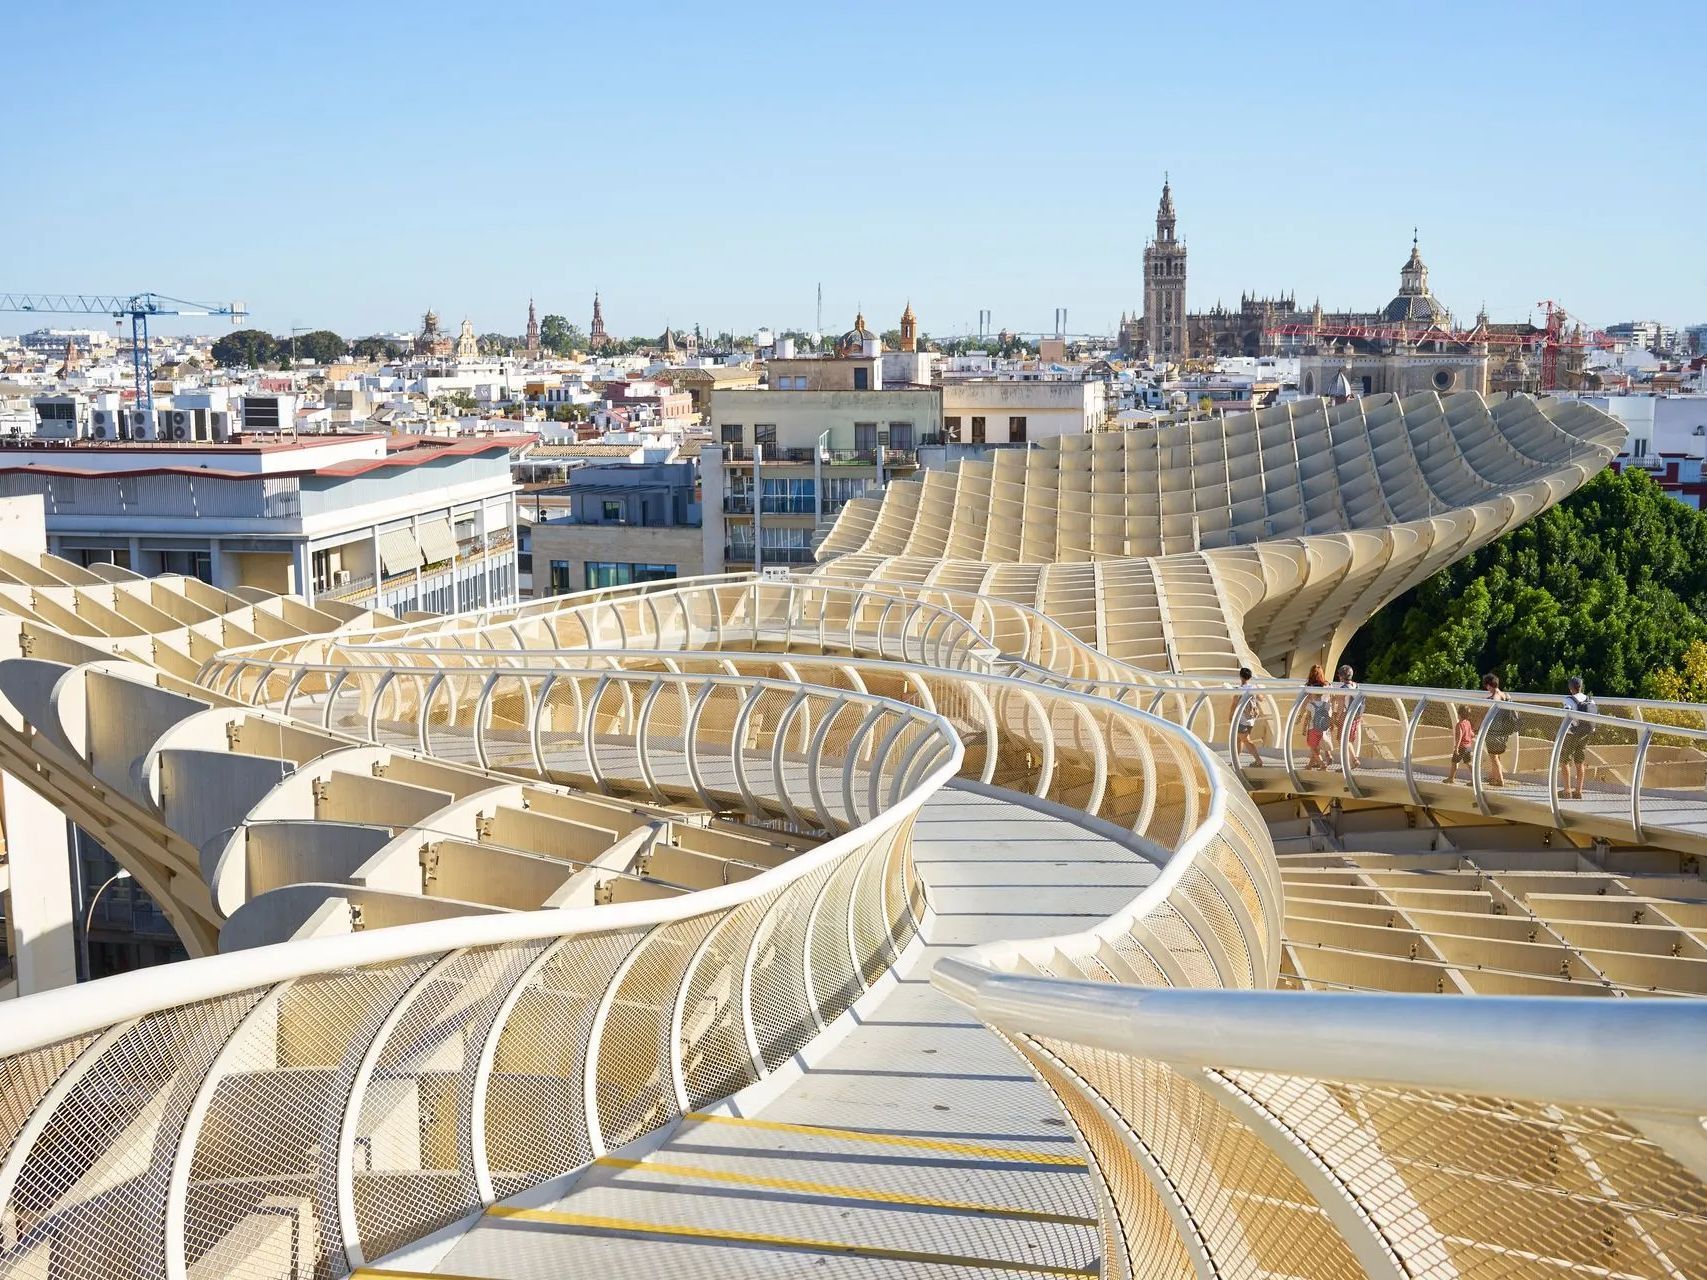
[1550, 339]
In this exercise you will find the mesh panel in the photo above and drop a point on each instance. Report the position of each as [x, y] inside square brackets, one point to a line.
[1254, 1217]
[782, 1009]
[871, 927]
[266, 1153]
[835, 984]
[90, 1201]
[716, 1061]
[536, 1115]
[1491, 1187]
[414, 1166]
[636, 1091]
[25, 1079]
[1217, 913]
[1139, 1240]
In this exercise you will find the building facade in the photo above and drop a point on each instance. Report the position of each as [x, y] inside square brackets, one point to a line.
[786, 462]
[1015, 411]
[627, 523]
[401, 523]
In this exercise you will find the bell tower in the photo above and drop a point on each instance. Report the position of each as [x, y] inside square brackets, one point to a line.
[1164, 287]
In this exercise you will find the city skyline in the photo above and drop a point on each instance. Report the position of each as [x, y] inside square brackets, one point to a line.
[355, 180]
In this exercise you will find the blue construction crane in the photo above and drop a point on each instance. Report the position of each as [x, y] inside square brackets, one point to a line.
[138, 307]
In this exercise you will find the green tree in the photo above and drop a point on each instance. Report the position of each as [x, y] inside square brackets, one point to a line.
[374, 349]
[1611, 584]
[498, 344]
[322, 346]
[246, 348]
[558, 335]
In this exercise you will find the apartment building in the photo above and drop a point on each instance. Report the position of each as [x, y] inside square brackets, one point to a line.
[787, 458]
[627, 523]
[396, 523]
[1003, 410]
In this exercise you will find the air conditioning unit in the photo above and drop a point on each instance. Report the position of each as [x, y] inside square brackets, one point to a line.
[104, 420]
[104, 430]
[179, 432]
[138, 425]
[219, 424]
[175, 424]
[341, 577]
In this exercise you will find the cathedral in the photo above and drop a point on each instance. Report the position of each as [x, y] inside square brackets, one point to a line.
[1167, 333]
[1431, 356]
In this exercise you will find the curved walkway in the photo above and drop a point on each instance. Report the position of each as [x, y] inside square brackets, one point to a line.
[917, 1137]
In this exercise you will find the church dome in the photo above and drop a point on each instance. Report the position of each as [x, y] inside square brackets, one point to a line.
[1414, 304]
[853, 341]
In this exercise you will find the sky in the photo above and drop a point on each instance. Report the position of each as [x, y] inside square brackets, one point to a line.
[347, 166]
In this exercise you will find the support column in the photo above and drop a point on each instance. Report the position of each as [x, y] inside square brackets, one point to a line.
[302, 568]
[41, 913]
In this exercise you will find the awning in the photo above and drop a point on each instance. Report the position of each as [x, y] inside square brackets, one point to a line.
[437, 541]
[399, 552]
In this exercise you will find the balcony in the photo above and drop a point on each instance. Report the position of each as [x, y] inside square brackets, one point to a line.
[470, 552]
[851, 457]
[738, 504]
[780, 505]
[742, 552]
[772, 453]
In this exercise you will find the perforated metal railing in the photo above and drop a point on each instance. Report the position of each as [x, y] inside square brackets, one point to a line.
[742, 612]
[292, 1111]
[669, 722]
[1644, 763]
[1258, 1134]
[822, 757]
[332, 1100]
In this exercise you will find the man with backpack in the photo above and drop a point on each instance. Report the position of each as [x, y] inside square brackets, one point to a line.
[1574, 744]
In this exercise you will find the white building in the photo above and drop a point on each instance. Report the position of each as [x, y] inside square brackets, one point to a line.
[382, 522]
[1012, 411]
[1657, 424]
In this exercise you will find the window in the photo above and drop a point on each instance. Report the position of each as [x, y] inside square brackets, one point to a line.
[1368, 384]
[865, 436]
[764, 433]
[198, 564]
[841, 490]
[1639, 447]
[1016, 430]
[612, 512]
[951, 428]
[560, 583]
[790, 497]
[862, 378]
[731, 433]
[901, 435]
[610, 573]
[977, 431]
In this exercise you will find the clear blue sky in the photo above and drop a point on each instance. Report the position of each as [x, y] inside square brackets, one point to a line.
[347, 165]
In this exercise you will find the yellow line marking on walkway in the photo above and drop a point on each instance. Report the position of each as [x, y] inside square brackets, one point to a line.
[1015, 1154]
[384, 1273]
[598, 1223]
[842, 1191]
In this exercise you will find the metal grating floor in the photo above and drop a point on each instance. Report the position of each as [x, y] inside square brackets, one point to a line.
[919, 1145]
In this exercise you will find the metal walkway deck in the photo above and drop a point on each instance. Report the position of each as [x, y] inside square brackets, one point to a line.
[919, 1139]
